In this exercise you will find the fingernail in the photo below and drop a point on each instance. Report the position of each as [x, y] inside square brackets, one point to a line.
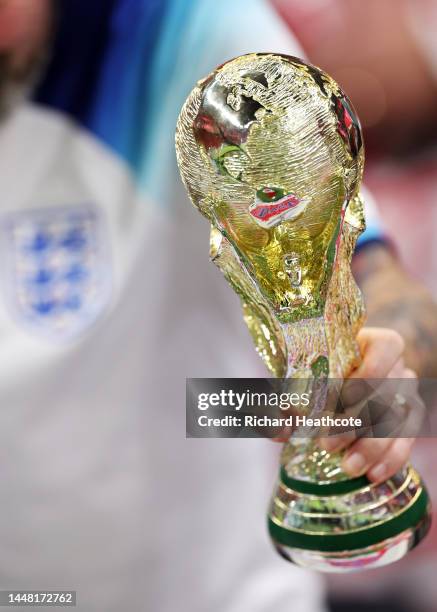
[378, 472]
[354, 464]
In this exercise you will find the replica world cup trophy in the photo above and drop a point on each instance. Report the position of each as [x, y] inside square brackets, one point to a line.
[270, 150]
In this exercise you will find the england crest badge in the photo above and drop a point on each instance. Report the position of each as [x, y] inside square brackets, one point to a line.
[56, 269]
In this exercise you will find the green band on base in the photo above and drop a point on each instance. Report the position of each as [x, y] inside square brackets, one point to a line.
[351, 541]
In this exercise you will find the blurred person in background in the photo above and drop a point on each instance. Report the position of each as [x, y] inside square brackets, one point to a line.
[105, 286]
[384, 54]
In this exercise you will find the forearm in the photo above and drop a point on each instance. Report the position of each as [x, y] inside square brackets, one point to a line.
[395, 300]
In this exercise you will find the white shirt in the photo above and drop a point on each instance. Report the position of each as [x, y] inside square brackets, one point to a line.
[100, 491]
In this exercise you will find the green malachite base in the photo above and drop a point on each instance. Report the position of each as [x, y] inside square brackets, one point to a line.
[321, 519]
[410, 518]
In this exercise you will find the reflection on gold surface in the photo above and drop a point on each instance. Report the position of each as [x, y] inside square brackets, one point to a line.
[270, 151]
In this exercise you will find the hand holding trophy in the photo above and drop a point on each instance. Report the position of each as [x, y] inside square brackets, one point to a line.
[270, 151]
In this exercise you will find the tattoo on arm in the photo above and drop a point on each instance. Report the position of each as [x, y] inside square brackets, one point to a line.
[395, 300]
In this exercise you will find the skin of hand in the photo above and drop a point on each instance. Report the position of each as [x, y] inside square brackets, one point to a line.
[382, 353]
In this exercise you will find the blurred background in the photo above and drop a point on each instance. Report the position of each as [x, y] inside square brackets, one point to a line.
[383, 53]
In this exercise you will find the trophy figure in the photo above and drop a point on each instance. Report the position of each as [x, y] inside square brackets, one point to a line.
[270, 150]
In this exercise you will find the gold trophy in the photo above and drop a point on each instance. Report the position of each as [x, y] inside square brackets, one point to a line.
[270, 150]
